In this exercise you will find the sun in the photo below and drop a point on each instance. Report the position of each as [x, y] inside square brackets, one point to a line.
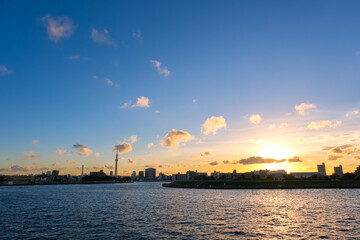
[276, 152]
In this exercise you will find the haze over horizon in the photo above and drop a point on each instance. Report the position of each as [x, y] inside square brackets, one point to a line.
[179, 86]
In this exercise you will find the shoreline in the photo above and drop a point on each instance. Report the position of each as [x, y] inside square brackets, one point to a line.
[256, 184]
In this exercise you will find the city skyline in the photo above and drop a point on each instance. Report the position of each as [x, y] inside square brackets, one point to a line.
[267, 90]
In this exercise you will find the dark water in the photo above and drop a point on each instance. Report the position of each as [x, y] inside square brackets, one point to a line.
[148, 211]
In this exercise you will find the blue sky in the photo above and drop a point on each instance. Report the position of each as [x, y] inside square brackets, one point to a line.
[232, 59]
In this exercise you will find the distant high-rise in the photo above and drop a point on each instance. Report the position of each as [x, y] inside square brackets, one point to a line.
[321, 169]
[150, 173]
[338, 171]
[55, 172]
[116, 162]
[141, 175]
[82, 170]
[111, 173]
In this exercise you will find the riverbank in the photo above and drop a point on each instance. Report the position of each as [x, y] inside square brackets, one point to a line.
[264, 184]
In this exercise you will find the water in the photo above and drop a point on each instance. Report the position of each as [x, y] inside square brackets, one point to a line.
[149, 211]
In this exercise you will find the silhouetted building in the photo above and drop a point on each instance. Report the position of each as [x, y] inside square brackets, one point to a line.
[304, 174]
[98, 174]
[133, 175]
[338, 171]
[150, 173]
[321, 169]
[55, 172]
[190, 175]
[82, 170]
[111, 173]
[179, 177]
[357, 171]
[141, 175]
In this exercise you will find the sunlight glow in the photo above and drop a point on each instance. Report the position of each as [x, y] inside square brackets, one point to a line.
[275, 152]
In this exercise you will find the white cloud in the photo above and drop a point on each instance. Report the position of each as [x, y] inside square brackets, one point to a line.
[123, 147]
[58, 28]
[60, 152]
[102, 37]
[259, 141]
[111, 83]
[322, 124]
[4, 70]
[142, 102]
[132, 139]
[282, 125]
[302, 107]
[150, 145]
[194, 100]
[255, 118]
[162, 70]
[213, 124]
[174, 137]
[125, 105]
[353, 113]
[35, 141]
[82, 150]
[137, 35]
[77, 57]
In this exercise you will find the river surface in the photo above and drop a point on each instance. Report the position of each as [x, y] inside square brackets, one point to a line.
[148, 211]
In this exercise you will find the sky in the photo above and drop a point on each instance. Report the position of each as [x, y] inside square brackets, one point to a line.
[179, 85]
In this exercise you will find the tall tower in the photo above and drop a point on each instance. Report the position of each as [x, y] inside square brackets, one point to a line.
[116, 161]
[82, 170]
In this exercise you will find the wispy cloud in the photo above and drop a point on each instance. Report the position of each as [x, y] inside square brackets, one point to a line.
[60, 152]
[30, 154]
[255, 118]
[82, 150]
[213, 124]
[18, 168]
[4, 70]
[110, 82]
[282, 125]
[214, 163]
[72, 161]
[322, 124]
[59, 27]
[353, 113]
[137, 34]
[97, 154]
[102, 37]
[162, 70]
[132, 139]
[174, 137]
[77, 57]
[35, 141]
[131, 161]
[303, 107]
